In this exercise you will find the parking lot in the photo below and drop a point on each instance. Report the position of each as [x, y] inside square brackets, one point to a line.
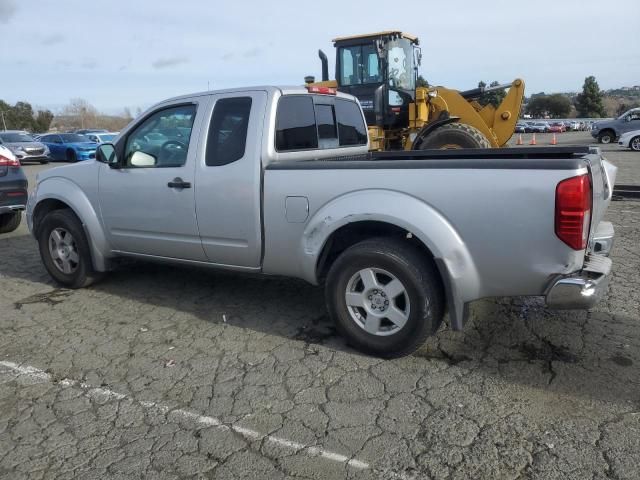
[178, 373]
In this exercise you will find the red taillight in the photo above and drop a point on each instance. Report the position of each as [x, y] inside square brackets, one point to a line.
[573, 211]
[8, 162]
[321, 90]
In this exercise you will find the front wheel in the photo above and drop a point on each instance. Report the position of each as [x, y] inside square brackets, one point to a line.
[64, 250]
[634, 144]
[452, 136]
[71, 156]
[10, 221]
[385, 297]
[606, 137]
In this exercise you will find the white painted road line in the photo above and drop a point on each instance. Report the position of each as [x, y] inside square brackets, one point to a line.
[99, 393]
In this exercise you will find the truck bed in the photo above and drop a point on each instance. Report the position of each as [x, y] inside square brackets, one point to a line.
[551, 158]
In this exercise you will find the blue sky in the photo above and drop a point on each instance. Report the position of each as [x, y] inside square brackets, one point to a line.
[134, 53]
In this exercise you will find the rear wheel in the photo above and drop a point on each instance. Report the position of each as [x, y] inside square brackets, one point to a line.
[634, 144]
[453, 136]
[10, 221]
[71, 156]
[606, 136]
[64, 250]
[385, 297]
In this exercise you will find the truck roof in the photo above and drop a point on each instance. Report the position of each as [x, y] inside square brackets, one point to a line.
[282, 89]
[385, 33]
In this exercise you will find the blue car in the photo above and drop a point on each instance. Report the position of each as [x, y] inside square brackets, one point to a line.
[69, 147]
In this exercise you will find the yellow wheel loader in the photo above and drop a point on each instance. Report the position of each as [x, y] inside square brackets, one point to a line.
[381, 70]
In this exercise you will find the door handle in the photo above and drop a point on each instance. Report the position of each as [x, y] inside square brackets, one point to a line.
[178, 183]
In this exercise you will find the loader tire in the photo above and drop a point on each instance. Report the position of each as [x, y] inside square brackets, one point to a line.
[453, 136]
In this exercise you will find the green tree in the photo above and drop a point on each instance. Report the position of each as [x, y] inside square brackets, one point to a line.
[556, 105]
[494, 98]
[43, 121]
[537, 106]
[21, 116]
[589, 102]
[422, 82]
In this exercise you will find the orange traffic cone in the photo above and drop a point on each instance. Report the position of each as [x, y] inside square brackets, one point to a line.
[533, 140]
[554, 141]
[519, 142]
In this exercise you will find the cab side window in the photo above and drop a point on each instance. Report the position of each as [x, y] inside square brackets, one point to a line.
[163, 137]
[227, 138]
[296, 124]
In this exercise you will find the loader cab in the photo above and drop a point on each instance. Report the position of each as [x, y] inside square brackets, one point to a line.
[380, 70]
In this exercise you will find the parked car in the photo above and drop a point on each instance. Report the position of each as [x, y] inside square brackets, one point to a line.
[557, 127]
[607, 131]
[84, 131]
[102, 137]
[70, 147]
[630, 140]
[13, 191]
[255, 186]
[521, 128]
[539, 127]
[24, 146]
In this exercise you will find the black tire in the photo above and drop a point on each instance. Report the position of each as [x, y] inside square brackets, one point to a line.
[44, 162]
[634, 144]
[453, 136]
[606, 137]
[421, 283]
[71, 156]
[84, 274]
[10, 221]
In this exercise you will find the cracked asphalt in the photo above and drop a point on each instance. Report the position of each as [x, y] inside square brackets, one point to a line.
[168, 373]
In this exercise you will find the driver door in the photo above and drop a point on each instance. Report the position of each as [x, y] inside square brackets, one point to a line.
[147, 200]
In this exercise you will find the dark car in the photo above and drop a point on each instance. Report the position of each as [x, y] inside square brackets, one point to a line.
[539, 127]
[13, 191]
[24, 146]
[521, 128]
[70, 147]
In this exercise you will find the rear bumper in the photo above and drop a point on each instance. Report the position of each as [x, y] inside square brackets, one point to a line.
[584, 289]
[581, 291]
[11, 208]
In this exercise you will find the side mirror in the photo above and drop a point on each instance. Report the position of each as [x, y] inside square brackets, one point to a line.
[142, 159]
[106, 153]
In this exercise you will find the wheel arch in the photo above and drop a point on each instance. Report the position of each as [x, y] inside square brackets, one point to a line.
[359, 215]
[58, 193]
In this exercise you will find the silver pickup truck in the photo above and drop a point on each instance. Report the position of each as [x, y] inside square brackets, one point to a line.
[279, 181]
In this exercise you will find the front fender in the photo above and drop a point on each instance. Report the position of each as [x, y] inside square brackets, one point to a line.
[69, 193]
[454, 260]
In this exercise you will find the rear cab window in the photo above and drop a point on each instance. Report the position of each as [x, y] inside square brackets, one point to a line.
[309, 122]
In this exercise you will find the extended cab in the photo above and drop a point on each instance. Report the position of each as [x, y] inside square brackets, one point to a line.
[279, 181]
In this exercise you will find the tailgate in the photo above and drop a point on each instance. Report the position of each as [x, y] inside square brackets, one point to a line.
[603, 177]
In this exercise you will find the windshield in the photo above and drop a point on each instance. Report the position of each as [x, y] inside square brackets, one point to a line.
[16, 137]
[400, 59]
[106, 137]
[359, 65]
[73, 138]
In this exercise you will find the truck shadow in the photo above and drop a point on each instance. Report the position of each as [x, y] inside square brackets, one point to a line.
[517, 341]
